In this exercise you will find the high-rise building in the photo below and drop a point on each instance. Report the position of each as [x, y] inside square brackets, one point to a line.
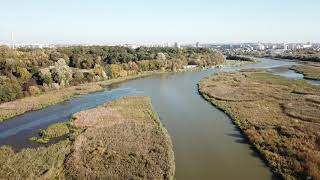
[12, 43]
[177, 45]
[197, 45]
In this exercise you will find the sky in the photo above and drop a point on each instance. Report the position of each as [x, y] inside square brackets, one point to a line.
[161, 21]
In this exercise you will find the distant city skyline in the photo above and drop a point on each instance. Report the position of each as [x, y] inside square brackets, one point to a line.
[147, 22]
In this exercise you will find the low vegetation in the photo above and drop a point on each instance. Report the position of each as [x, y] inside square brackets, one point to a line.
[237, 63]
[123, 139]
[53, 131]
[280, 117]
[310, 70]
[41, 163]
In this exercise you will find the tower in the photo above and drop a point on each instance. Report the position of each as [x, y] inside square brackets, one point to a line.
[12, 43]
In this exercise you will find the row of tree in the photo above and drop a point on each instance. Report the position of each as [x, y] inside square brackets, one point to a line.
[26, 71]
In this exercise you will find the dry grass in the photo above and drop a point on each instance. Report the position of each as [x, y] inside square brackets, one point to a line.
[310, 70]
[41, 163]
[123, 139]
[280, 116]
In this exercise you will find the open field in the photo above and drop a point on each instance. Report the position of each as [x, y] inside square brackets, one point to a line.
[309, 70]
[20, 106]
[123, 139]
[279, 116]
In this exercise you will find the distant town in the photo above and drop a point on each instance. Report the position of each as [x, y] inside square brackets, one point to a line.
[225, 47]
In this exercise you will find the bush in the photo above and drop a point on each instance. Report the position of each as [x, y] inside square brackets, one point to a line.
[78, 76]
[23, 75]
[61, 73]
[34, 90]
[114, 70]
[10, 89]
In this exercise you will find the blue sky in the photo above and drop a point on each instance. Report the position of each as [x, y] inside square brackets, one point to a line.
[150, 21]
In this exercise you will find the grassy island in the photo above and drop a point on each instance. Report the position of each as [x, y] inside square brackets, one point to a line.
[309, 70]
[279, 116]
[123, 139]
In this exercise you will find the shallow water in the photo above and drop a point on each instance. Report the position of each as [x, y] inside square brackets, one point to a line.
[206, 143]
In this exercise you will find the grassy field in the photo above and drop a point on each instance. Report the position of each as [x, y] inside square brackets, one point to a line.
[280, 117]
[20, 106]
[310, 70]
[123, 139]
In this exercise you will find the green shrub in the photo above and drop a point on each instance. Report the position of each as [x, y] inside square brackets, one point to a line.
[114, 70]
[10, 89]
[78, 76]
[34, 90]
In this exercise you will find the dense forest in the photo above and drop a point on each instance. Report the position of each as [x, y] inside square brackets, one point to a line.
[26, 71]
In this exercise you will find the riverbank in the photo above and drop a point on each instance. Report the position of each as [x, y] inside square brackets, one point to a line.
[310, 71]
[31, 103]
[123, 139]
[279, 116]
[238, 63]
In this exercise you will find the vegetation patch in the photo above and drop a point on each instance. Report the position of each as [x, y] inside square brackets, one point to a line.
[237, 63]
[240, 58]
[280, 117]
[123, 139]
[40, 163]
[53, 131]
[310, 70]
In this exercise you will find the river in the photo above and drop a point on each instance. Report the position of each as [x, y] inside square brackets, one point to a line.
[206, 143]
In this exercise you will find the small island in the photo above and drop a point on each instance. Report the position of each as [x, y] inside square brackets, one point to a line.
[123, 139]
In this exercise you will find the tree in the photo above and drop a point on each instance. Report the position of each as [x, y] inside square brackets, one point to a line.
[10, 89]
[23, 75]
[61, 73]
[114, 70]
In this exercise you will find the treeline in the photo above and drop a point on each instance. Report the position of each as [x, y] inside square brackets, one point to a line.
[240, 58]
[300, 55]
[26, 71]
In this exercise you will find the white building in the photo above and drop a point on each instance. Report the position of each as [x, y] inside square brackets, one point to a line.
[177, 45]
[197, 45]
[261, 47]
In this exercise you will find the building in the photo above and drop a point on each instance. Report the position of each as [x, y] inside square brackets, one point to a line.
[177, 45]
[197, 45]
[261, 47]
